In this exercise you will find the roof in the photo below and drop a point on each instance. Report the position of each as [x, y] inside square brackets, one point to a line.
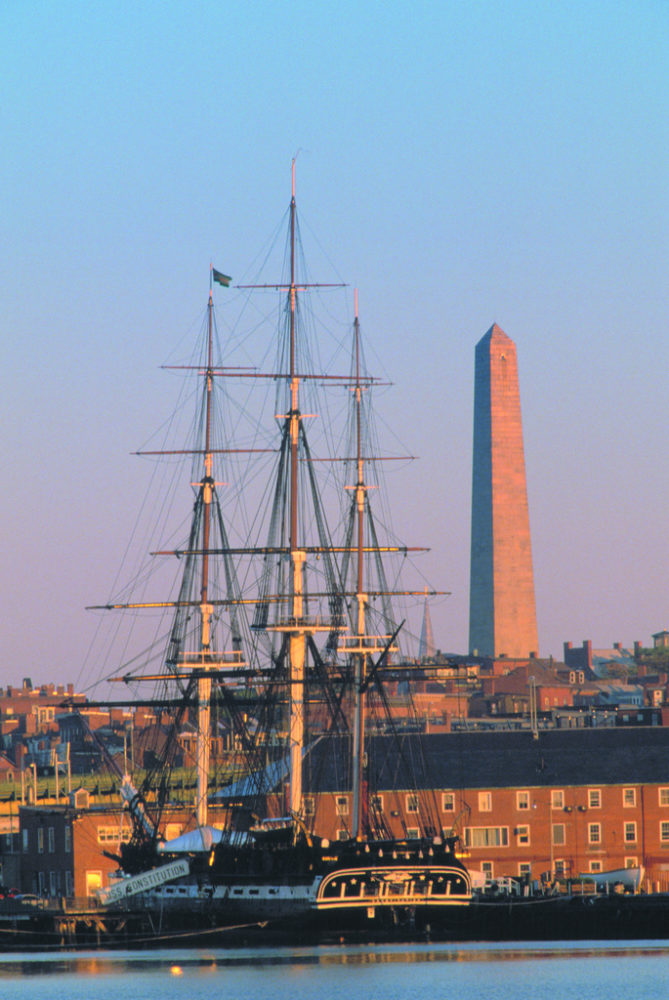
[607, 756]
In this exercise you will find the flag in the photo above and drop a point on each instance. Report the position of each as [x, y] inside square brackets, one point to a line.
[222, 279]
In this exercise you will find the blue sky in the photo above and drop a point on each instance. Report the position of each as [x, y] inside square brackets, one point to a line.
[461, 163]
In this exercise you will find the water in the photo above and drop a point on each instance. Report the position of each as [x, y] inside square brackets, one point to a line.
[556, 971]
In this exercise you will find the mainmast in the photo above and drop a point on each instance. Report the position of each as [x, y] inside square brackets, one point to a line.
[297, 635]
[361, 598]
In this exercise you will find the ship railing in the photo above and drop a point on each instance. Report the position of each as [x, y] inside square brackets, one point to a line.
[363, 644]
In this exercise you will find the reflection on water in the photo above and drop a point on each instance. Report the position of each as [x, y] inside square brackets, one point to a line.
[515, 971]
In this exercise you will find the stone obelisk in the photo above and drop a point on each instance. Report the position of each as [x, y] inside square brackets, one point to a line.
[502, 611]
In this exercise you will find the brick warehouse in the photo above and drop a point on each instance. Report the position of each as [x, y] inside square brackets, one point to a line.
[569, 802]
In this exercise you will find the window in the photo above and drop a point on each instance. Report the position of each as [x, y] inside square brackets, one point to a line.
[485, 802]
[40, 840]
[487, 868]
[487, 836]
[52, 883]
[412, 833]
[26, 843]
[522, 800]
[52, 842]
[560, 867]
[664, 832]
[594, 834]
[309, 805]
[69, 884]
[559, 838]
[342, 835]
[376, 803]
[524, 868]
[448, 802]
[629, 798]
[631, 862]
[68, 839]
[342, 805]
[630, 833]
[412, 803]
[557, 798]
[523, 836]
[595, 866]
[663, 796]
[594, 798]
[113, 835]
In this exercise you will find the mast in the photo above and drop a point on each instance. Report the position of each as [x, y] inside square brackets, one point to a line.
[361, 599]
[206, 609]
[297, 636]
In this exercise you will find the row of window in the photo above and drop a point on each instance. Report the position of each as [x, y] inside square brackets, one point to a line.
[523, 802]
[50, 883]
[485, 804]
[498, 836]
[106, 835]
[50, 840]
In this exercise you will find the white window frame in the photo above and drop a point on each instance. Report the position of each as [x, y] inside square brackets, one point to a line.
[487, 868]
[629, 828]
[485, 802]
[341, 805]
[560, 867]
[413, 833]
[524, 868]
[595, 867]
[491, 836]
[631, 862]
[663, 796]
[523, 835]
[412, 804]
[559, 839]
[629, 793]
[595, 834]
[664, 831]
[522, 800]
[448, 802]
[594, 798]
[557, 798]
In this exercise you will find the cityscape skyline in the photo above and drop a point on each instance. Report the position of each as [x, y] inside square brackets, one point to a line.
[462, 167]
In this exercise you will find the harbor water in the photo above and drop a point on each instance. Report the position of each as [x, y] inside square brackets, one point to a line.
[583, 970]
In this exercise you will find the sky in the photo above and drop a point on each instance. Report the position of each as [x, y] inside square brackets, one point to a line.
[460, 163]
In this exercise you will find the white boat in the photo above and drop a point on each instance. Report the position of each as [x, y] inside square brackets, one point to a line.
[629, 878]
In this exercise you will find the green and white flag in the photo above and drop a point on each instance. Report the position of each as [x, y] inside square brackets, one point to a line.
[222, 279]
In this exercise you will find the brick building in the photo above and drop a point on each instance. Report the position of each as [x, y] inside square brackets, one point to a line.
[571, 801]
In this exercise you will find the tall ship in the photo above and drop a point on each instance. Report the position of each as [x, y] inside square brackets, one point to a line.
[276, 662]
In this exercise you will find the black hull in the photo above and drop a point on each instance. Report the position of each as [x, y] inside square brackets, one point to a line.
[612, 918]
